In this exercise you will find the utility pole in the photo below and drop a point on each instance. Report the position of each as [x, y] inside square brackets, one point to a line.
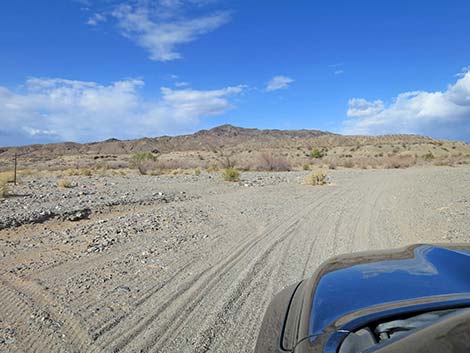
[16, 162]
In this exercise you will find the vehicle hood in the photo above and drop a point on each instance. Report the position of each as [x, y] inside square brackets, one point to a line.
[348, 285]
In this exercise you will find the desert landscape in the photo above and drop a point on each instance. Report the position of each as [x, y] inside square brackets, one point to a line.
[151, 246]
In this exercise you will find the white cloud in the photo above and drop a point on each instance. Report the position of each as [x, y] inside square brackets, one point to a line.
[338, 72]
[463, 71]
[60, 109]
[443, 114]
[359, 107]
[181, 84]
[161, 29]
[278, 82]
[95, 19]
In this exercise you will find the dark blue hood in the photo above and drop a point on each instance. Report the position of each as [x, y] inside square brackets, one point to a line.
[428, 272]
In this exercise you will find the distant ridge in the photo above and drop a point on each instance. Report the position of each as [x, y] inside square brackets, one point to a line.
[220, 137]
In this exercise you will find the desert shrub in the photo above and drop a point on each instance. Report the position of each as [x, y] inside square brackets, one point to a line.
[101, 165]
[119, 172]
[306, 167]
[347, 163]
[231, 174]
[62, 183]
[75, 172]
[155, 172]
[140, 158]
[197, 172]
[227, 162]
[4, 188]
[316, 153]
[268, 161]
[318, 177]
[213, 168]
[400, 161]
[428, 156]
[85, 172]
[146, 167]
[71, 172]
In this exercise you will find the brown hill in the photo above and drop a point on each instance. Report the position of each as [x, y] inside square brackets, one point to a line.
[205, 147]
[219, 137]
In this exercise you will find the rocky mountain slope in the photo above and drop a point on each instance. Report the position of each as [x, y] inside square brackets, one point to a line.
[204, 148]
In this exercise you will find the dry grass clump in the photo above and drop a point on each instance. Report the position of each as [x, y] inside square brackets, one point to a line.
[318, 177]
[214, 168]
[119, 172]
[452, 160]
[4, 188]
[66, 184]
[400, 161]
[231, 174]
[197, 172]
[76, 172]
[269, 161]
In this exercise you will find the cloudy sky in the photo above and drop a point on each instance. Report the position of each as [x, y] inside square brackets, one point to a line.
[87, 70]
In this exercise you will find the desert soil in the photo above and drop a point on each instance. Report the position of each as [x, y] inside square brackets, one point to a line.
[189, 264]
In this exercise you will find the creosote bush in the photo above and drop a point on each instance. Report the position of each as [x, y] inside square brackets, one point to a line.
[318, 177]
[231, 174]
[316, 153]
[143, 161]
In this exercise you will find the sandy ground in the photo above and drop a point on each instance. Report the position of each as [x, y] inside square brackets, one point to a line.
[189, 264]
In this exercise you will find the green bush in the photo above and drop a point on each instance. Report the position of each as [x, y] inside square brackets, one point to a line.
[316, 153]
[140, 157]
[231, 174]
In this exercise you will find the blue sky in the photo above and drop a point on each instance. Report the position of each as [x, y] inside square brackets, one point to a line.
[86, 70]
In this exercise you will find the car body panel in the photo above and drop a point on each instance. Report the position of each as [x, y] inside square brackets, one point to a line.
[352, 291]
[431, 272]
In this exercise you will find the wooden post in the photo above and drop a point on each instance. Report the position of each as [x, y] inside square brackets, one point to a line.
[16, 162]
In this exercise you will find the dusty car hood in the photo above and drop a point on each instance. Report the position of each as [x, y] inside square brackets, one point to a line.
[428, 272]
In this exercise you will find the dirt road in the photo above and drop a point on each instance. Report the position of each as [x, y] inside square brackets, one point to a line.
[196, 274]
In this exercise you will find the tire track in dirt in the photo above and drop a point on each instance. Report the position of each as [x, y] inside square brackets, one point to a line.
[205, 286]
[262, 264]
[209, 295]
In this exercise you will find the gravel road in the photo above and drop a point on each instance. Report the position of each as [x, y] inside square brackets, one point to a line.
[189, 264]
